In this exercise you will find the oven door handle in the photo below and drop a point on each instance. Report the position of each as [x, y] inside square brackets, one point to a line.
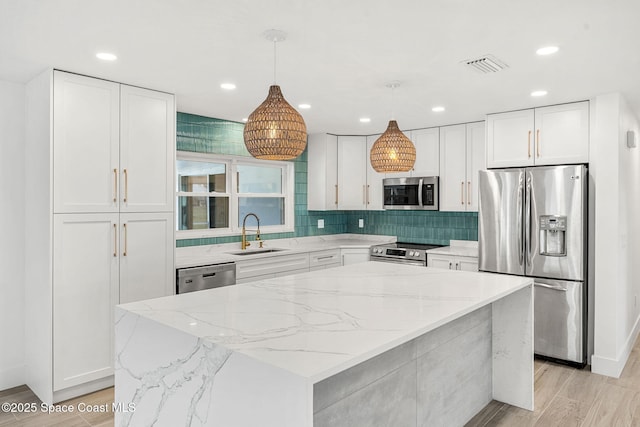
[420, 183]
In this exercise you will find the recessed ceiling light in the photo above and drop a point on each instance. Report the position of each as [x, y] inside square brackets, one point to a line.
[437, 109]
[106, 56]
[539, 93]
[304, 106]
[365, 119]
[244, 119]
[547, 50]
[228, 86]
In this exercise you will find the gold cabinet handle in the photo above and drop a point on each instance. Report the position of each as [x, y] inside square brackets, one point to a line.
[115, 240]
[449, 265]
[336, 194]
[529, 145]
[462, 193]
[538, 142]
[364, 194]
[124, 252]
[126, 185]
[115, 185]
[468, 192]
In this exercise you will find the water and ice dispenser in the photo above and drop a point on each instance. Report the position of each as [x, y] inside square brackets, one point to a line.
[553, 230]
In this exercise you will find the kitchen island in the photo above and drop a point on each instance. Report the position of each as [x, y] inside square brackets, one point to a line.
[372, 344]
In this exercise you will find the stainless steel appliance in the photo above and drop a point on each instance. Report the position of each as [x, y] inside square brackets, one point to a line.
[401, 253]
[533, 222]
[205, 277]
[411, 193]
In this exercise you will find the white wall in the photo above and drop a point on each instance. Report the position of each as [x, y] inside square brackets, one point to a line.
[616, 173]
[12, 213]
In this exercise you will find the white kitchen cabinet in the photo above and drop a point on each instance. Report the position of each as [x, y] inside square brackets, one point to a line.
[452, 262]
[427, 142]
[85, 144]
[352, 172]
[324, 259]
[84, 296]
[91, 249]
[374, 192]
[146, 256]
[113, 147]
[322, 172]
[461, 157]
[556, 134]
[147, 150]
[354, 255]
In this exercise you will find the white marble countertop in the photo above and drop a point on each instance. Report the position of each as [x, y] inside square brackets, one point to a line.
[192, 256]
[457, 248]
[320, 323]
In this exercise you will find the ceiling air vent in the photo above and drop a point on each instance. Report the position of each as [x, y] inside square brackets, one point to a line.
[486, 64]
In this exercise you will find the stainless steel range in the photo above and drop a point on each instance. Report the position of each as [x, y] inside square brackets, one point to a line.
[401, 253]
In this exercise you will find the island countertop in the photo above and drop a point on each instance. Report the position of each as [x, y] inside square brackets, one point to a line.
[317, 324]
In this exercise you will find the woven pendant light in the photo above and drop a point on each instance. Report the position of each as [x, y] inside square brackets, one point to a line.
[275, 130]
[393, 151]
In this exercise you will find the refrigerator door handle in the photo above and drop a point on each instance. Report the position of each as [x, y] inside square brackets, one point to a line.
[527, 218]
[519, 223]
[555, 288]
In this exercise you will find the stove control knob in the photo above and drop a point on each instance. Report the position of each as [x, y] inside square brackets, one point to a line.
[417, 254]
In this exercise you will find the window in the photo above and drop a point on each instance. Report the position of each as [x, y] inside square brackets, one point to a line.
[215, 193]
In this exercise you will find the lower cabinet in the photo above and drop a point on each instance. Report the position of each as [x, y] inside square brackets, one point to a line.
[462, 263]
[99, 261]
[354, 256]
[324, 259]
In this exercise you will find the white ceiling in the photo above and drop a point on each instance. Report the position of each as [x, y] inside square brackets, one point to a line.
[339, 54]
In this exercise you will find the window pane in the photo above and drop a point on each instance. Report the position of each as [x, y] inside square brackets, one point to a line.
[196, 213]
[259, 179]
[270, 210]
[201, 177]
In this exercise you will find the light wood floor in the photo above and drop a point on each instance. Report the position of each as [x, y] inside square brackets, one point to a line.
[564, 397]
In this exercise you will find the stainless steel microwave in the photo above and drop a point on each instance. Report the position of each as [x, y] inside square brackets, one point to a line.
[411, 193]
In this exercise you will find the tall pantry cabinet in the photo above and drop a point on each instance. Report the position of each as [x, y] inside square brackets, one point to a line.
[100, 185]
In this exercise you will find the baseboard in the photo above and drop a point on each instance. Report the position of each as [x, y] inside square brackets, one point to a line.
[12, 377]
[613, 367]
[82, 389]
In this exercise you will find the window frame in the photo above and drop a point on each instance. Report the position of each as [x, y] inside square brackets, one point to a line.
[231, 181]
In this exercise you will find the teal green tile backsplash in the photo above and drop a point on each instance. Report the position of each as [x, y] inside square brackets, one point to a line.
[209, 135]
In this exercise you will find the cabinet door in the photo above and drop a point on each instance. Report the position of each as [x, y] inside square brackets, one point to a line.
[146, 256]
[374, 179]
[466, 263]
[453, 185]
[85, 144]
[322, 172]
[147, 150]
[354, 256]
[440, 261]
[427, 142]
[562, 134]
[476, 161]
[352, 173]
[85, 292]
[510, 139]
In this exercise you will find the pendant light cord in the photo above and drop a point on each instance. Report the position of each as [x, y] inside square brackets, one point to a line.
[393, 115]
[275, 60]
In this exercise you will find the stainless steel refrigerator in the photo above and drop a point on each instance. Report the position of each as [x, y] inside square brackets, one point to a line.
[533, 222]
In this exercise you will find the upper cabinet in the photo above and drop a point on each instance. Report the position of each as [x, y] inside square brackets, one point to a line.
[427, 142]
[461, 157]
[352, 172]
[551, 135]
[113, 147]
[322, 172]
[374, 179]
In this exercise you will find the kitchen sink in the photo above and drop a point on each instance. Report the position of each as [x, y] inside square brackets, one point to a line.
[256, 251]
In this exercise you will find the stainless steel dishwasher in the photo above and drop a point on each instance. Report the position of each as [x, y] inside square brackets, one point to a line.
[205, 277]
